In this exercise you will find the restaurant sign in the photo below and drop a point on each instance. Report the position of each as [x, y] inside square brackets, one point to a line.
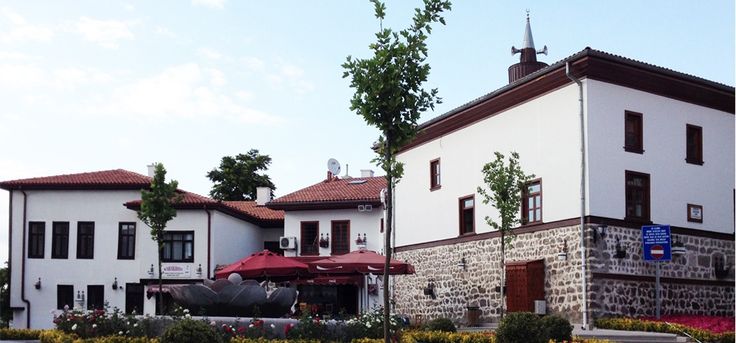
[176, 271]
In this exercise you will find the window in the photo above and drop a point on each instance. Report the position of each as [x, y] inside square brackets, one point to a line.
[633, 132]
[694, 144]
[178, 246]
[36, 237]
[60, 240]
[309, 238]
[467, 215]
[64, 296]
[531, 203]
[340, 237]
[637, 196]
[95, 297]
[126, 241]
[85, 240]
[434, 174]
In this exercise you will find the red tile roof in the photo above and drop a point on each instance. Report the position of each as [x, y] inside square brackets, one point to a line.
[106, 179]
[260, 212]
[332, 194]
[120, 179]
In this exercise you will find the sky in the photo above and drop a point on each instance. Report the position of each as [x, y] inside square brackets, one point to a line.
[97, 85]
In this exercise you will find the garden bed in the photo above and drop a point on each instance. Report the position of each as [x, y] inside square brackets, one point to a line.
[702, 328]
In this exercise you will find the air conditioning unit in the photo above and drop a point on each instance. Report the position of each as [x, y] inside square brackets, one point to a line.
[287, 243]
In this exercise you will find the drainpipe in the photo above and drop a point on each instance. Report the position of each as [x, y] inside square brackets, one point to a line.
[209, 241]
[582, 195]
[23, 264]
[10, 239]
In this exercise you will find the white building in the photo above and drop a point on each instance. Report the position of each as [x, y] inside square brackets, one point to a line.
[658, 148]
[334, 217]
[76, 240]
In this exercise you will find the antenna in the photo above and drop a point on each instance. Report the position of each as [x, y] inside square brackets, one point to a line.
[333, 166]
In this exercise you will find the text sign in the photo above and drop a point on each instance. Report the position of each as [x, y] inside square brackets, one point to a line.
[656, 240]
[176, 271]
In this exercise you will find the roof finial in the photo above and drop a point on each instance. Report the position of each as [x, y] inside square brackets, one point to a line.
[527, 15]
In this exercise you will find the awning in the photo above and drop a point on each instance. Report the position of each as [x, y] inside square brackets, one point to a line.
[264, 265]
[359, 262]
[355, 280]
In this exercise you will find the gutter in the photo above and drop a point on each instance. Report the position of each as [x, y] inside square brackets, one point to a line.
[583, 256]
[209, 241]
[23, 263]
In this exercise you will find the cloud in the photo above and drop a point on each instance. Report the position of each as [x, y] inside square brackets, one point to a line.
[17, 56]
[182, 91]
[254, 63]
[215, 4]
[164, 31]
[209, 53]
[20, 30]
[106, 33]
[14, 76]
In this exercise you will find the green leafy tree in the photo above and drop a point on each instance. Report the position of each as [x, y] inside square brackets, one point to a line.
[5, 313]
[389, 95]
[157, 209]
[506, 183]
[238, 177]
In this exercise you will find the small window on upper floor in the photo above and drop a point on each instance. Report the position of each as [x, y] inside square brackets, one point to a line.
[633, 132]
[637, 196]
[434, 175]
[36, 238]
[694, 144]
[467, 215]
[60, 240]
[531, 203]
[85, 240]
[309, 238]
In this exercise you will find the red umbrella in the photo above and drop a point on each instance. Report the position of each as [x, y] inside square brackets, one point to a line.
[361, 262]
[263, 264]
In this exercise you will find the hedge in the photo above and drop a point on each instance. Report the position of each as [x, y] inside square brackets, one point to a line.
[19, 334]
[56, 336]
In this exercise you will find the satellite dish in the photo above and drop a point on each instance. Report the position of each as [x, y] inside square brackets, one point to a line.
[333, 166]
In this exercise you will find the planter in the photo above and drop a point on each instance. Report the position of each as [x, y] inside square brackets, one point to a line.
[473, 316]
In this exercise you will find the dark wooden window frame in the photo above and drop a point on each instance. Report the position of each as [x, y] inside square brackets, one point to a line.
[303, 243]
[435, 175]
[697, 156]
[333, 237]
[638, 146]
[692, 219]
[647, 206]
[64, 296]
[461, 214]
[60, 240]
[126, 241]
[36, 240]
[90, 251]
[171, 239]
[525, 203]
[90, 297]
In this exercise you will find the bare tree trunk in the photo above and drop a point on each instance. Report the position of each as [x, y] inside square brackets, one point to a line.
[503, 274]
[387, 246]
[160, 297]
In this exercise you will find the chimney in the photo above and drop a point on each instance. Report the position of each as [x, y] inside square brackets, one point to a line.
[263, 195]
[151, 169]
[366, 173]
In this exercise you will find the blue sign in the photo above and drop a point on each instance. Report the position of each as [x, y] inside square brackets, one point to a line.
[656, 241]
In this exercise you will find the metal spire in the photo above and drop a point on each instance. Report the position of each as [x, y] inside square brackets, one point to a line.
[528, 40]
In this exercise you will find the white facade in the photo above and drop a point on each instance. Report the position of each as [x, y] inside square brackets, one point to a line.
[544, 131]
[231, 239]
[363, 223]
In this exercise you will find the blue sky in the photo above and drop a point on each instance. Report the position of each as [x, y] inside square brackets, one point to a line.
[95, 85]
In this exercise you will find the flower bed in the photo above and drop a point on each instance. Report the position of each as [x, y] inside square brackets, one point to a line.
[632, 324]
[712, 324]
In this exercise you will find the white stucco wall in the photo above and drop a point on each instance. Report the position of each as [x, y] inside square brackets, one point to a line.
[544, 131]
[233, 239]
[368, 223]
[674, 183]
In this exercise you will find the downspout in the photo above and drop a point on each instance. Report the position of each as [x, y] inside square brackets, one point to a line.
[10, 241]
[583, 265]
[23, 264]
[209, 241]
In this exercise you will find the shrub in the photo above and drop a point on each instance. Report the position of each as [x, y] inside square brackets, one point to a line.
[632, 324]
[440, 324]
[308, 328]
[448, 337]
[190, 331]
[19, 334]
[521, 327]
[557, 328]
[56, 336]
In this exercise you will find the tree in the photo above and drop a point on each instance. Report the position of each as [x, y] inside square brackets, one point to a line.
[157, 209]
[5, 313]
[506, 184]
[389, 96]
[237, 177]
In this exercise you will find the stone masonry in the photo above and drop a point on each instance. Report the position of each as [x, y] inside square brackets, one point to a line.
[618, 282]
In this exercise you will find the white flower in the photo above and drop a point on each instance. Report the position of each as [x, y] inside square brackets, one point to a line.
[250, 326]
[94, 326]
[120, 333]
[187, 315]
[212, 323]
[74, 327]
[273, 326]
[135, 325]
[186, 310]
